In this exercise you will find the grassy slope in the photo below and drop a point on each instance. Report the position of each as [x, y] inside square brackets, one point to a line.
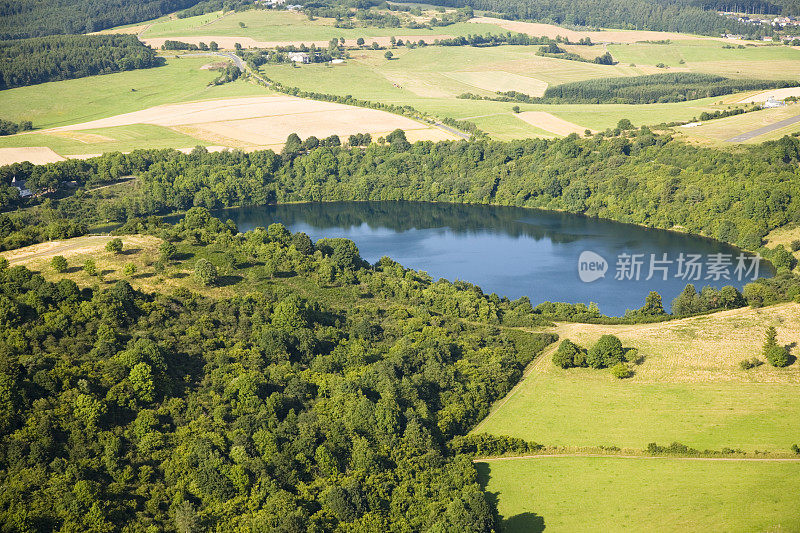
[265, 25]
[611, 494]
[688, 389]
[716, 132]
[72, 101]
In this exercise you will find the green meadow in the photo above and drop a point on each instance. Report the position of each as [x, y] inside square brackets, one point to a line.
[73, 101]
[268, 25]
[643, 494]
[98, 141]
[583, 407]
[430, 79]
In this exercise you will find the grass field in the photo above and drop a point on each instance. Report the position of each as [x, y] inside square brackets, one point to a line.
[71, 101]
[643, 494]
[269, 25]
[98, 141]
[687, 389]
[430, 79]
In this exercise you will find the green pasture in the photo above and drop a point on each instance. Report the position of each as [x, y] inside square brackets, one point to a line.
[269, 25]
[99, 141]
[73, 101]
[642, 494]
[586, 407]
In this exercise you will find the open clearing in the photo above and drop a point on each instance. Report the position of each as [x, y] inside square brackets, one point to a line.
[260, 122]
[688, 388]
[499, 81]
[613, 494]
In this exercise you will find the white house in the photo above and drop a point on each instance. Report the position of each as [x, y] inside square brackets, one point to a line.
[24, 192]
[773, 102]
[299, 57]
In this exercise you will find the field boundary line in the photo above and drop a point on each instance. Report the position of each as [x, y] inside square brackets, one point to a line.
[613, 456]
[549, 349]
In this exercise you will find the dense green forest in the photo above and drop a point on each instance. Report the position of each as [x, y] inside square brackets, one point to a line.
[266, 411]
[653, 88]
[658, 15]
[38, 60]
[37, 18]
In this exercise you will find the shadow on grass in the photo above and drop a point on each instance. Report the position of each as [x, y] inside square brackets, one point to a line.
[226, 281]
[131, 251]
[180, 275]
[523, 523]
[182, 256]
[143, 275]
[520, 523]
[72, 270]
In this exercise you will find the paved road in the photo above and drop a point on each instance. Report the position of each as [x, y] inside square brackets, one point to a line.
[766, 129]
[453, 131]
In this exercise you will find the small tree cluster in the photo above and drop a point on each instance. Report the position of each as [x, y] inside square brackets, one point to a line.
[775, 354]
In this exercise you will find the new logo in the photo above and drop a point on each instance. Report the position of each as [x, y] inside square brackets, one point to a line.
[591, 266]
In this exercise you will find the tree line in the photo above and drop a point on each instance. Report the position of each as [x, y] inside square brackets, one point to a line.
[21, 19]
[658, 15]
[42, 59]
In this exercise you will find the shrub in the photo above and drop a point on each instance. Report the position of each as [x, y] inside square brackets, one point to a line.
[777, 356]
[90, 267]
[621, 371]
[129, 269]
[205, 272]
[168, 250]
[59, 264]
[747, 364]
[607, 351]
[795, 245]
[567, 353]
[114, 246]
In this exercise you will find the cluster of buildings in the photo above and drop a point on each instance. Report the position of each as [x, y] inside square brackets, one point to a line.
[775, 21]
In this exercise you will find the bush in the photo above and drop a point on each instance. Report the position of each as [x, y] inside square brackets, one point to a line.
[205, 272]
[777, 356]
[129, 269]
[59, 264]
[168, 250]
[747, 364]
[90, 267]
[621, 371]
[568, 355]
[114, 246]
[795, 245]
[606, 352]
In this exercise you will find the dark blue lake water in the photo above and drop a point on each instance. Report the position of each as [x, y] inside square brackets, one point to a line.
[520, 252]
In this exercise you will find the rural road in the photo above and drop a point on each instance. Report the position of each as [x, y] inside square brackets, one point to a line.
[766, 129]
[453, 131]
[612, 456]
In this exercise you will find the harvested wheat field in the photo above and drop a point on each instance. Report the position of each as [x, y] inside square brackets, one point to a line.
[36, 155]
[778, 94]
[266, 121]
[551, 123]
